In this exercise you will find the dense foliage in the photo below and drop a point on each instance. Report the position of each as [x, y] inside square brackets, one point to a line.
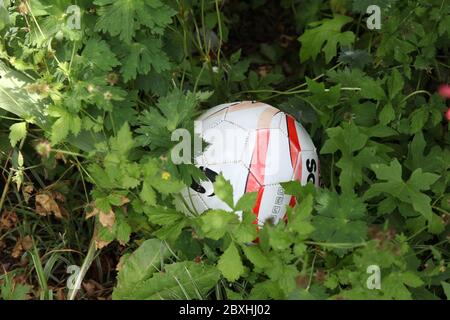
[87, 107]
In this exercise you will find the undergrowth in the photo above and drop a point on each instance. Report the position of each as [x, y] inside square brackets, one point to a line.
[86, 115]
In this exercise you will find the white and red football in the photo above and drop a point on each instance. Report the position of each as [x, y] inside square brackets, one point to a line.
[256, 147]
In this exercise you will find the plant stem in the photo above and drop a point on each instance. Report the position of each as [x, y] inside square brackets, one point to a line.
[84, 268]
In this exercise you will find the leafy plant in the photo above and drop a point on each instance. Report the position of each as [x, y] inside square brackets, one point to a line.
[91, 92]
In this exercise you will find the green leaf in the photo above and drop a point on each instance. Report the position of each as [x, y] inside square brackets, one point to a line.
[148, 194]
[141, 57]
[246, 231]
[18, 132]
[279, 239]
[446, 287]
[64, 125]
[418, 118]
[215, 223]
[10, 290]
[408, 192]
[182, 280]
[266, 290]
[246, 202]
[299, 217]
[347, 139]
[322, 97]
[362, 5]
[325, 36]
[139, 266]
[355, 58]
[224, 191]
[230, 263]
[123, 142]
[158, 179]
[122, 229]
[172, 221]
[392, 172]
[341, 219]
[123, 17]
[395, 83]
[370, 88]
[98, 54]
[422, 180]
[387, 114]
[256, 256]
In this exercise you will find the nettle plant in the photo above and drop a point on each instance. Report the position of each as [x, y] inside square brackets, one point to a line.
[91, 91]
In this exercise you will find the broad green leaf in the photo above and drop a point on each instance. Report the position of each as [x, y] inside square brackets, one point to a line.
[408, 192]
[139, 266]
[224, 191]
[98, 54]
[148, 194]
[325, 36]
[395, 83]
[268, 289]
[215, 223]
[178, 281]
[141, 58]
[246, 202]
[247, 230]
[279, 239]
[18, 132]
[387, 114]
[299, 218]
[341, 219]
[392, 172]
[171, 221]
[123, 142]
[123, 17]
[230, 263]
[256, 256]
[446, 287]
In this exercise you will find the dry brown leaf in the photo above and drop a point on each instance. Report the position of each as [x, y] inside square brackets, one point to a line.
[59, 196]
[89, 287]
[93, 211]
[23, 244]
[27, 243]
[124, 200]
[17, 250]
[46, 205]
[8, 220]
[27, 191]
[92, 288]
[107, 219]
[100, 244]
[20, 279]
[60, 156]
[60, 295]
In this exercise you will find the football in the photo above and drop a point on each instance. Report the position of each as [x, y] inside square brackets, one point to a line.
[256, 147]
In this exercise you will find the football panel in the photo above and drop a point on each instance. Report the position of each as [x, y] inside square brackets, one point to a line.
[236, 173]
[267, 155]
[310, 167]
[271, 204]
[278, 166]
[226, 144]
[253, 115]
[218, 111]
[306, 142]
[297, 134]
